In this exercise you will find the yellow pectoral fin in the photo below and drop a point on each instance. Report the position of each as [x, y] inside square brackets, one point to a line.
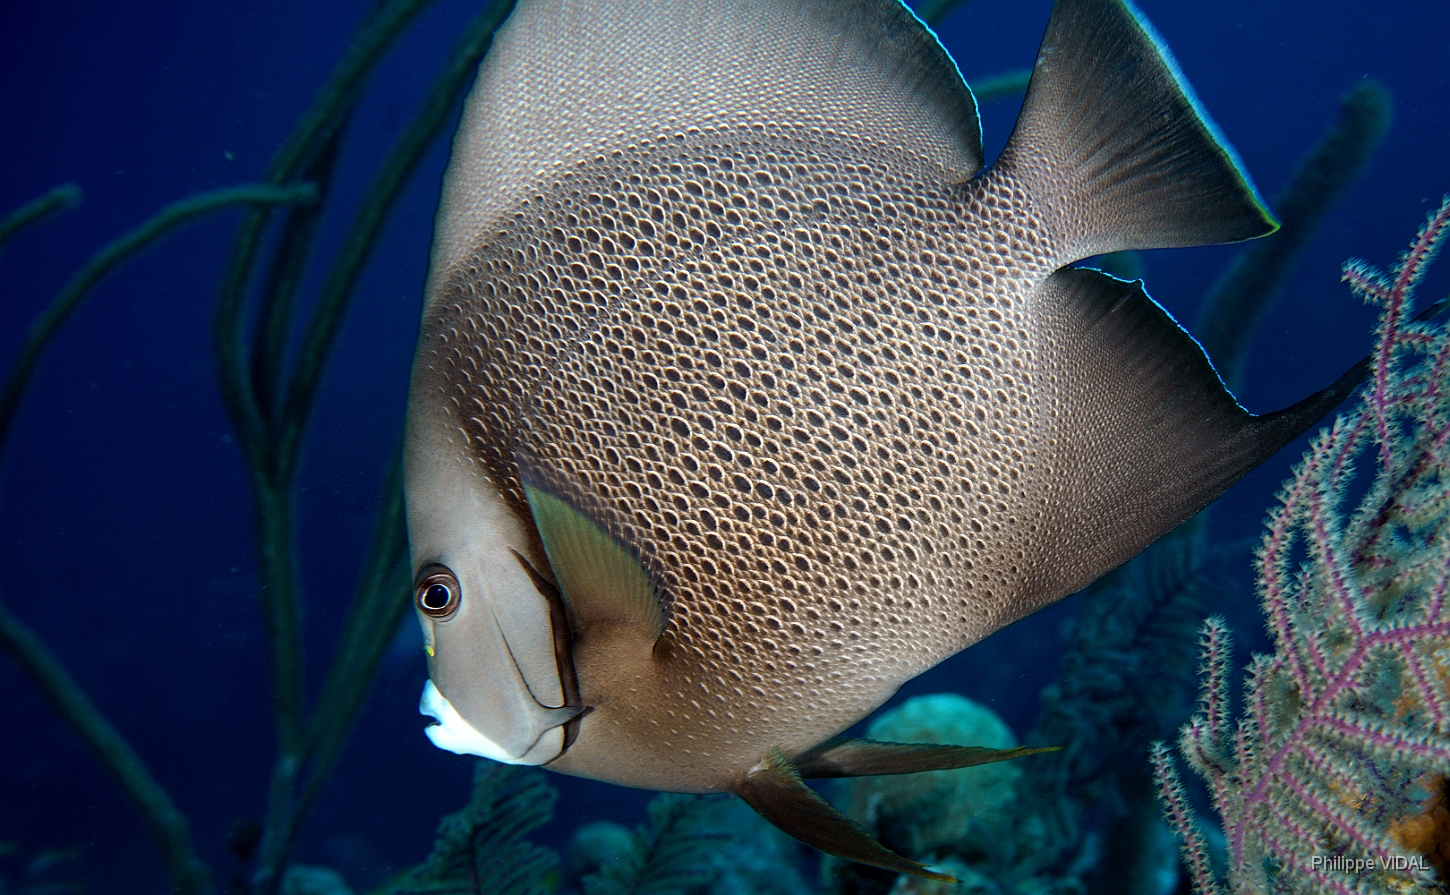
[601, 579]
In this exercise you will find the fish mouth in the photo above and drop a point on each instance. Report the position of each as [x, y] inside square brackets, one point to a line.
[450, 731]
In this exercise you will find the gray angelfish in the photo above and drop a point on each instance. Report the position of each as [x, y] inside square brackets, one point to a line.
[744, 394]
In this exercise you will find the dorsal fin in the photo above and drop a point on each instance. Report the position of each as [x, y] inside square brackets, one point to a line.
[1140, 433]
[568, 80]
[603, 583]
[1114, 148]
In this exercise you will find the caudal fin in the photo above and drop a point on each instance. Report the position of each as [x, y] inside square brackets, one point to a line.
[1115, 150]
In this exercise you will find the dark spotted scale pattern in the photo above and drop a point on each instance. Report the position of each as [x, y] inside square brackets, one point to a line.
[793, 377]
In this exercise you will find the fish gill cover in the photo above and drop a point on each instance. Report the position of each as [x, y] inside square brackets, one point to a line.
[131, 552]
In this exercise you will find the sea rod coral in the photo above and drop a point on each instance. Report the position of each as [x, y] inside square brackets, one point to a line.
[270, 400]
[1333, 779]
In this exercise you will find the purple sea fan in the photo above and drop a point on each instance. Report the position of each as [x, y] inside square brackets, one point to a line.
[1344, 743]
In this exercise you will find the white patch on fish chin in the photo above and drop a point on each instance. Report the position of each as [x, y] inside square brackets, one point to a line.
[455, 734]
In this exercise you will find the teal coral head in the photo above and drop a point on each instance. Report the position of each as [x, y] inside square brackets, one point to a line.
[967, 811]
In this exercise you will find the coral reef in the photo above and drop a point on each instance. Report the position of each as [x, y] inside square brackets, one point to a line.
[482, 849]
[700, 845]
[591, 846]
[1333, 780]
[692, 845]
[1080, 820]
[967, 822]
[964, 811]
[665, 855]
[304, 879]
[757, 858]
[1125, 680]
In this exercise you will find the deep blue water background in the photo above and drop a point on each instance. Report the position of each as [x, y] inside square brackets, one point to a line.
[125, 521]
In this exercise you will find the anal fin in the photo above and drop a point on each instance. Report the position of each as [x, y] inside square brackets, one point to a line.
[775, 790]
[855, 757]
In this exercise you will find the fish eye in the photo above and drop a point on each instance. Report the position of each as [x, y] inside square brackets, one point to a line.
[437, 592]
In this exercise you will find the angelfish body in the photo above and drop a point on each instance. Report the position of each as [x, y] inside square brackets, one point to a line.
[744, 394]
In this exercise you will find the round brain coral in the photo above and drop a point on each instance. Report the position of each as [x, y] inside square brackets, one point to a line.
[965, 812]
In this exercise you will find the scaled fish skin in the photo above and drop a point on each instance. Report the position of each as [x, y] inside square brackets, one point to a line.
[744, 394]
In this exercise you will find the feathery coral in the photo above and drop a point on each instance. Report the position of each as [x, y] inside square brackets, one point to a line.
[1126, 678]
[1332, 773]
[669, 855]
[481, 850]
